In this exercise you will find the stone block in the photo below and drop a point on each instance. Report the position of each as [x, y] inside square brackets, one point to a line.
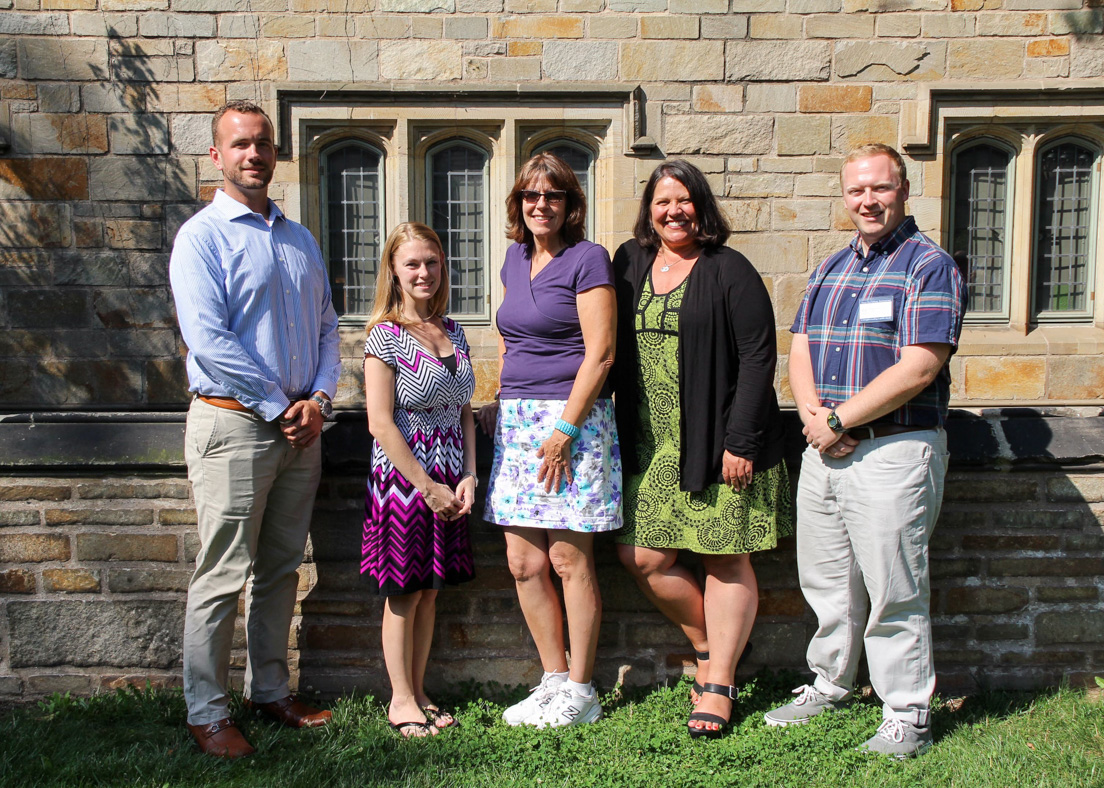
[133, 234]
[668, 27]
[429, 60]
[126, 547]
[68, 133]
[1001, 378]
[9, 59]
[36, 24]
[1042, 5]
[418, 6]
[758, 6]
[943, 25]
[718, 98]
[144, 178]
[175, 97]
[746, 215]
[71, 581]
[313, 6]
[978, 599]
[287, 26]
[138, 134]
[612, 26]
[44, 178]
[1090, 21]
[774, 253]
[191, 134]
[35, 491]
[728, 27]
[49, 683]
[34, 225]
[637, 6]
[717, 134]
[1017, 542]
[800, 214]
[123, 490]
[1012, 24]
[84, 634]
[109, 97]
[104, 24]
[539, 27]
[134, 308]
[971, 489]
[985, 59]
[672, 61]
[575, 60]
[1048, 47]
[774, 26]
[1046, 520]
[177, 517]
[759, 185]
[1054, 628]
[850, 131]
[17, 581]
[466, 28]
[818, 184]
[158, 25]
[525, 49]
[264, 61]
[777, 61]
[1003, 632]
[770, 98]
[58, 98]
[154, 69]
[1047, 567]
[698, 6]
[1086, 59]
[23, 548]
[1077, 489]
[1066, 594]
[802, 135]
[890, 61]
[902, 25]
[133, 581]
[839, 26]
[834, 98]
[814, 6]
[1075, 377]
[514, 69]
[99, 516]
[243, 26]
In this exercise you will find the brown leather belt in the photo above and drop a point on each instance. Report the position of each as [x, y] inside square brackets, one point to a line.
[229, 403]
[867, 431]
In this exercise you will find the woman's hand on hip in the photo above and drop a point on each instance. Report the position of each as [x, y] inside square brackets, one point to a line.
[441, 499]
[736, 471]
[556, 468]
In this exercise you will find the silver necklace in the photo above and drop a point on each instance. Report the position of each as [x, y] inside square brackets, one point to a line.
[666, 265]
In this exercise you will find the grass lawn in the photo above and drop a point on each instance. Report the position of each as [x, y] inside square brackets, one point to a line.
[137, 738]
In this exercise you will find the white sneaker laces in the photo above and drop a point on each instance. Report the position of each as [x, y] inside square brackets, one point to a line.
[893, 730]
[805, 694]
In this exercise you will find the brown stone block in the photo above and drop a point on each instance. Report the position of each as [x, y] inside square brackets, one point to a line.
[17, 581]
[49, 178]
[1075, 377]
[340, 637]
[16, 91]
[538, 27]
[1005, 378]
[127, 547]
[127, 490]
[88, 233]
[46, 683]
[954, 567]
[985, 59]
[524, 49]
[507, 636]
[141, 681]
[34, 225]
[99, 516]
[1067, 594]
[971, 489]
[834, 98]
[1047, 567]
[25, 548]
[975, 599]
[1048, 47]
[1005, 542]
[782, 602]
[76, 581]
[30, 491]
[1086, 627]
[145, 580]
[177, 517]
[851, 131]
[133, 234]
[1003, 632]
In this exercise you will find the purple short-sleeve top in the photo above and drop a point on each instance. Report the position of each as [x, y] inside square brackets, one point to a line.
[539, 320]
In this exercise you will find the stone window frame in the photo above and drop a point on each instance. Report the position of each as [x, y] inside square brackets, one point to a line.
[510, 123]
[1026, 117]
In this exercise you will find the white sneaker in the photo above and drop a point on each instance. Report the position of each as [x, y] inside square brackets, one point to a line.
[568, 707]
[528, 711]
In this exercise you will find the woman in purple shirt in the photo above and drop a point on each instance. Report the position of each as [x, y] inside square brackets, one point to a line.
[556, 479]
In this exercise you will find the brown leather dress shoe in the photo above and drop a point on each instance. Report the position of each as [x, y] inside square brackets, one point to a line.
[293, 713]
[221, 739]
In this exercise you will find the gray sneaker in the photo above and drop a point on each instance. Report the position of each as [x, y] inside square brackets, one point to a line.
[803, 708]
[899, 739]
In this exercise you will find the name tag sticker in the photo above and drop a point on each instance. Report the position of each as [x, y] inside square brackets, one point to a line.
[876, 311]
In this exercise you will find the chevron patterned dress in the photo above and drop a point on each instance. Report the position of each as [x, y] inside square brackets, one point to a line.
[405, 546]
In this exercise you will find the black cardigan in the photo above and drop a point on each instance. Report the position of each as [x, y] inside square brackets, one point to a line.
[727, 358]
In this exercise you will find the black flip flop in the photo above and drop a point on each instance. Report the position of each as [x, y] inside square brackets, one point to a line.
[401, 727]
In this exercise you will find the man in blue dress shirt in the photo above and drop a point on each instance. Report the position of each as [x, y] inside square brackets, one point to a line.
[869, 374]
[253, 300]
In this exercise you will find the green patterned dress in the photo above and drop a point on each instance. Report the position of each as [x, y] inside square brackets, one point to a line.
[718, 520]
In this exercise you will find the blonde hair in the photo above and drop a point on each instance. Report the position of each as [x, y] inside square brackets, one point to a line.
[389, 298]
[878, 149]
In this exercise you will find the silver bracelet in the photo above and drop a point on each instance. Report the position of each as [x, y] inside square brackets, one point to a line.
[469, 474]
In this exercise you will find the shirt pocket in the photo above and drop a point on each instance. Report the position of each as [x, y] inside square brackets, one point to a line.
[879, 310]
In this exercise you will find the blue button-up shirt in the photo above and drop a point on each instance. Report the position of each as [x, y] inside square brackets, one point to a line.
[253, 301]
[860, 309]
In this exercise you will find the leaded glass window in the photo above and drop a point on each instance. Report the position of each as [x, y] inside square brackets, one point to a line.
[456, 174]
[1064, 200]
[352, 178]
[581, 161]
[980, 223]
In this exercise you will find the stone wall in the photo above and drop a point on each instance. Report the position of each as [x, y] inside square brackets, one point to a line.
[105, 105]
[93, 572]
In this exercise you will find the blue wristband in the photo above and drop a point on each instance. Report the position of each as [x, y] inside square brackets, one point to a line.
[568, 429]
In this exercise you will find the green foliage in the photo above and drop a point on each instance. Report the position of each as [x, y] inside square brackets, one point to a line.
[136, 737]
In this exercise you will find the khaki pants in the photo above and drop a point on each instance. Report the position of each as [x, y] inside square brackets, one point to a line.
[863, 524]
[254, 494]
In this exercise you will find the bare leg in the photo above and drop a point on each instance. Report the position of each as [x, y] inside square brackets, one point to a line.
[731, 602]
[399, 616]
[572, 554]
[527, 554]
[424, 617]
[673, 590]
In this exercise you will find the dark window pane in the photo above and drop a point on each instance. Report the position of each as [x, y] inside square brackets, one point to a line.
[980, 223]
[354, 213]
[1063, 212]
[458, 215]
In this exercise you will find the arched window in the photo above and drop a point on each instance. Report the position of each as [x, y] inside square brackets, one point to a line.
[352, 222]
[981, 223]
[1065, 203]
[581, 160]
[456, 188]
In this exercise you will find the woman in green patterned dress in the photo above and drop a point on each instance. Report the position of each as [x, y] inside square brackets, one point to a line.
[700, 426]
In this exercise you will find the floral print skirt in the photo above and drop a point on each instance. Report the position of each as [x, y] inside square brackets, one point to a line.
[590, 504]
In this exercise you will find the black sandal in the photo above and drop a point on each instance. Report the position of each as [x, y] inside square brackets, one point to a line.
[704, 716]
[703, 656]
[434, 714]
[401, 727]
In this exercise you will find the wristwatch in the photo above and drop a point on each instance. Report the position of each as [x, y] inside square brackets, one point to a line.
[835, 424]
[324, 404]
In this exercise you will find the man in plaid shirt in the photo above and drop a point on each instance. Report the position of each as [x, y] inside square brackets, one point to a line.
[869, 374]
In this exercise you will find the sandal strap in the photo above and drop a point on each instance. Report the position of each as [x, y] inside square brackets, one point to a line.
[702, 655]
[705, 716]
[727, 690]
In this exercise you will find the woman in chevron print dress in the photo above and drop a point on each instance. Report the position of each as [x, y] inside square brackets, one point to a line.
[418, 382]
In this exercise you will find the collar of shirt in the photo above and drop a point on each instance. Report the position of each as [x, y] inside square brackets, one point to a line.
[888, 244]
[232, 209]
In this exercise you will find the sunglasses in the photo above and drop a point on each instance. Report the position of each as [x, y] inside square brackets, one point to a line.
[552, 198]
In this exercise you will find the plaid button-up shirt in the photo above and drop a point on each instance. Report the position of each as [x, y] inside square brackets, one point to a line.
[860, 310]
